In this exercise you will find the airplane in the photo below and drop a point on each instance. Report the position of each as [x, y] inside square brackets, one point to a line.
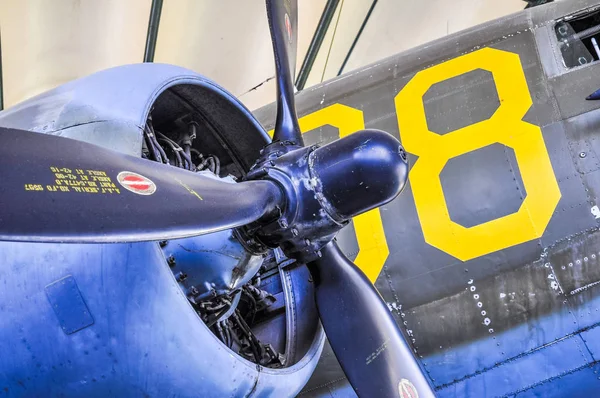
[124, 277]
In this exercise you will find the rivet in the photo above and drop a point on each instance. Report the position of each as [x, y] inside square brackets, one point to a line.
[582, 155]
[171, 260]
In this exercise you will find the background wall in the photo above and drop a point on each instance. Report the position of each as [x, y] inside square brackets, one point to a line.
[47, 43]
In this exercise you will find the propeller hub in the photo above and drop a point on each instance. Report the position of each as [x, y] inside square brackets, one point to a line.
[324, 187]
[358, 173]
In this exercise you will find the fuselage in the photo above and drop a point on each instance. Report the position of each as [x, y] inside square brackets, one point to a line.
[489, 259]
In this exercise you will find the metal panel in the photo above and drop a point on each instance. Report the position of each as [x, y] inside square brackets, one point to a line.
[461, 101]
[491, 321]
[523, 372]
[479, 192]
[570, 88]
[580, 383]
[68, 305]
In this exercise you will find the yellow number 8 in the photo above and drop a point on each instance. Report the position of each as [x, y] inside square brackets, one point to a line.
[505, 127]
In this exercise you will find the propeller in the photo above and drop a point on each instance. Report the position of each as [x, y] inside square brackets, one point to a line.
[55, 189]
[595, 96]
[362, 332]
[363, 335]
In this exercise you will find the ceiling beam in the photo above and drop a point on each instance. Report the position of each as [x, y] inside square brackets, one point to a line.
[152, 34]
[316, 42]
[1, 86]
[358, 34]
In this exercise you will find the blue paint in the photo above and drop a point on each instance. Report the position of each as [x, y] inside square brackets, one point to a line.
[584, 383]
[146, 340]
[523, 372]
[551, 356]
[455, 363]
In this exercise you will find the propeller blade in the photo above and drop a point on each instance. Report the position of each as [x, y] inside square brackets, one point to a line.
[55, 189]
[283, 23]
[593, 96]
[363, 334]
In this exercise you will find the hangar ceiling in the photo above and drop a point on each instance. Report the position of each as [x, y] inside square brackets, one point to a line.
[47, 43]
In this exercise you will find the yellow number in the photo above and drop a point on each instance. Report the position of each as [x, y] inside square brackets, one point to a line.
[373, 248]
[504, 127]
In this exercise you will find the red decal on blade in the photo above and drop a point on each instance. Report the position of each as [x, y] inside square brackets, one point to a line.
[406, 389]
[288, 28]
[136, 183]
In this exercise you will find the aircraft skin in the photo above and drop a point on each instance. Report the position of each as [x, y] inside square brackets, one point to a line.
[490, 259]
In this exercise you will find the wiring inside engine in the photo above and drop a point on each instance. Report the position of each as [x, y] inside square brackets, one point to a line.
[238, 318]
[177, 150]
[230, 318]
